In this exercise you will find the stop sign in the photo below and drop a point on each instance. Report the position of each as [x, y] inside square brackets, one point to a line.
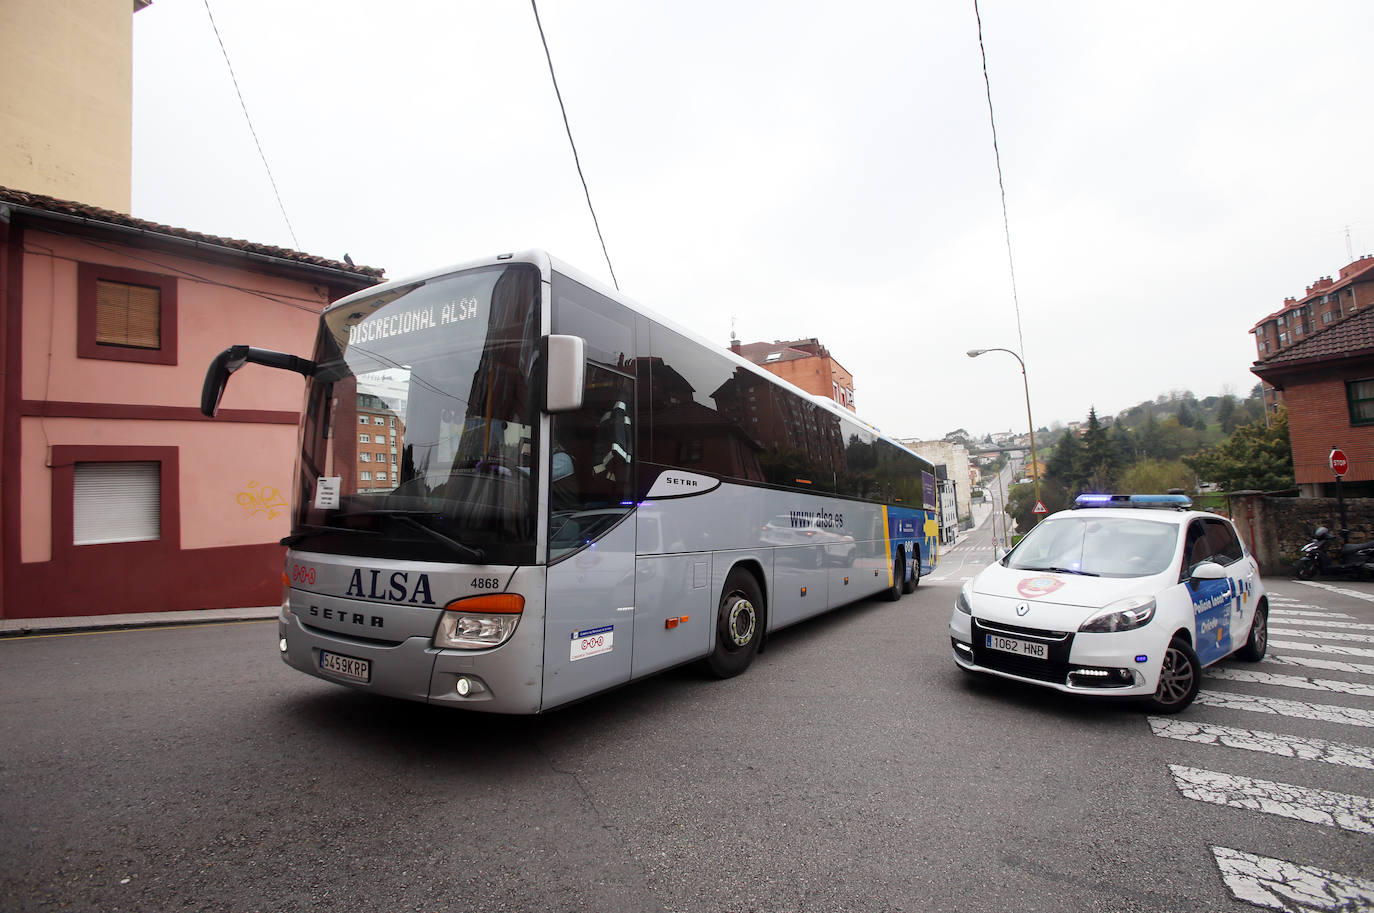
[1339, 464]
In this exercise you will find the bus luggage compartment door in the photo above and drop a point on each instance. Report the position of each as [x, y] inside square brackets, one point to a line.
[589, 618]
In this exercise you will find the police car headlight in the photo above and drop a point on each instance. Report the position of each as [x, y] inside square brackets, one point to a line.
[1122, 615]
[961, 601]
[479, 622]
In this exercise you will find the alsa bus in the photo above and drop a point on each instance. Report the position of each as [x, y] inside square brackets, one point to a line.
[516, 489]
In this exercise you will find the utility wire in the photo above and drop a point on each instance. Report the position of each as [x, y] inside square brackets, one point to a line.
[1006, 223]
[244, 106]
[576, 160]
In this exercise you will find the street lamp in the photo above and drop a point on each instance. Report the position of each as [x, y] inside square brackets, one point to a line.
[1035, 466]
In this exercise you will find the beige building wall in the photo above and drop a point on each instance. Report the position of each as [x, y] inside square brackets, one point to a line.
[66, 99]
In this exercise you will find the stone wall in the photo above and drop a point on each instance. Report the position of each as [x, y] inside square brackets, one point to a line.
[1275, 528]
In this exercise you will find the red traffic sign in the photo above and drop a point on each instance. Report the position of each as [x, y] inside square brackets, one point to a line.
[1040, 508]
[1339, 464]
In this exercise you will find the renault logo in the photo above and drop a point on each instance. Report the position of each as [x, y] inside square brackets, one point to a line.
[1022, 608]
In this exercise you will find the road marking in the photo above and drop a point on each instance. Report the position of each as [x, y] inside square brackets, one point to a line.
[1282, 885]
[1286, 746]
[1354, 594]
[1315, 623]
[1312, 662]
[1332, 649]
[1291, 681]
[1327, 635]
[1285, 613]
[1326, 713]
[1315, 806]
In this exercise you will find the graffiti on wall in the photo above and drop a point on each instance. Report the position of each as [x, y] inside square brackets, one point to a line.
[262, 499]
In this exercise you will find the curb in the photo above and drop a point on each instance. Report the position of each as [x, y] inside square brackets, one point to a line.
[27, 627]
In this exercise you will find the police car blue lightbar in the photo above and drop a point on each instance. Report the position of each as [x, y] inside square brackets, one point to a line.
[1182, 502]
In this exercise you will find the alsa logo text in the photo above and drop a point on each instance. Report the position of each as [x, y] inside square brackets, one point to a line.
[398, 588]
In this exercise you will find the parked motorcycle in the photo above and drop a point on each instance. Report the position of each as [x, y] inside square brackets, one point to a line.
[1355, 559]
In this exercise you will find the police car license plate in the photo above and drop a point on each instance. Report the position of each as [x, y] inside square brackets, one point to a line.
[356, 669]
[1019, 647]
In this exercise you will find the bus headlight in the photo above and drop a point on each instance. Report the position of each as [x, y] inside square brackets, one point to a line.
[1122, 615]
[479, 622]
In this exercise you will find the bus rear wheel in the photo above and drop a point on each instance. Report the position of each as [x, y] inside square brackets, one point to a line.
[739, 625]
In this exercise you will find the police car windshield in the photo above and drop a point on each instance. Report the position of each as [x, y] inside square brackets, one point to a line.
[1097, 546]
[421, 418]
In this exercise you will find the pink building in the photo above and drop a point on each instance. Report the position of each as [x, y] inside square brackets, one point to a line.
[116, 495]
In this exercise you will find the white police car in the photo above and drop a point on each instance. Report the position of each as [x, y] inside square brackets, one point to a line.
[1111, 599]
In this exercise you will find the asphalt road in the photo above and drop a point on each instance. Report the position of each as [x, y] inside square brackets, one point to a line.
[853, 767]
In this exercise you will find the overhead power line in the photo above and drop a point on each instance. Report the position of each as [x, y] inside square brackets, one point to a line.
[1006, 223]
[244, 106]
[576, 160]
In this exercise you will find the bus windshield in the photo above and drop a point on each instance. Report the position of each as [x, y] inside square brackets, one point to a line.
[419, 438]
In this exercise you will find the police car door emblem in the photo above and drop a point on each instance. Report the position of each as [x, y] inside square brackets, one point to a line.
[1022, 608]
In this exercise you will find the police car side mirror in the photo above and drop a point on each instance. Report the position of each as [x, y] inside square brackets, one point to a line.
[1206, 570]
[565, 371]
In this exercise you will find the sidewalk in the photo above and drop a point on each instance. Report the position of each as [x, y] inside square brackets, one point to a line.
[15, 627]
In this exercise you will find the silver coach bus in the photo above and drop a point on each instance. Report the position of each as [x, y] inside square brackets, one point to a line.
[516, 489]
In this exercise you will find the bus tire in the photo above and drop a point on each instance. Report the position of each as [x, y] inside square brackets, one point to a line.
[894, 592]
[739, 625]
[910, 584]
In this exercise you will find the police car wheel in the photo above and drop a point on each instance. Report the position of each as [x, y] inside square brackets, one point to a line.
[1258, 641]
[739, 625]
[1180, 676]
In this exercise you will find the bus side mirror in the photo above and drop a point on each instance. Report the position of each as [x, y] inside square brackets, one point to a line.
[565, 373]
[235, 357]
[217, 377]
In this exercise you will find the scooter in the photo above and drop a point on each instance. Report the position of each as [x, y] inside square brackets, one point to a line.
[1356, 558]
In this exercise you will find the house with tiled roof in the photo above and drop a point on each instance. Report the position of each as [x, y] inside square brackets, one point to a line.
[804, 362]
[1326, 380]
[1325, 302]
[116, 494]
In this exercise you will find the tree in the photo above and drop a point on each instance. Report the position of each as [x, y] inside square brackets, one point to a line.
[1098, 466]
[1226, 414]
[1157, 477]
[1065, 462]
[1254, 457]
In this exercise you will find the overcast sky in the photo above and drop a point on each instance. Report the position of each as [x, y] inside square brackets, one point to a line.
[1173, 170]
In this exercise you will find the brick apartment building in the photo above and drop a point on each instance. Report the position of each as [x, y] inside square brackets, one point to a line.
[1320, 364]
[1325, 302]
[805, 363]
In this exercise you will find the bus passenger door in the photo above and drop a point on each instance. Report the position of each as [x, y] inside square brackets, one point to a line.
[590, 605]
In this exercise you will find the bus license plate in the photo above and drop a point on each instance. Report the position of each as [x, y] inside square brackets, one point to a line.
[357, 669]
[1019, 647]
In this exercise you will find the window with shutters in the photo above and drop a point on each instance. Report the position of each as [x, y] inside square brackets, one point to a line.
[126, 315]
[116, 502]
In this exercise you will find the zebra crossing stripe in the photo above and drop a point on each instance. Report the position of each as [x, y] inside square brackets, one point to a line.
[1354, 594]
[1274, 743]
[1315, 623]
[1333, 649]
[1326, 713]
[1282, 885]
[1285, 613]
[1324, 635]
[1291, 681]
[1315, 806]
[1312, 662]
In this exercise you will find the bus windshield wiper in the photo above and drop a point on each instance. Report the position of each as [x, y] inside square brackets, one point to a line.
[306, 532]
[408, 518]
